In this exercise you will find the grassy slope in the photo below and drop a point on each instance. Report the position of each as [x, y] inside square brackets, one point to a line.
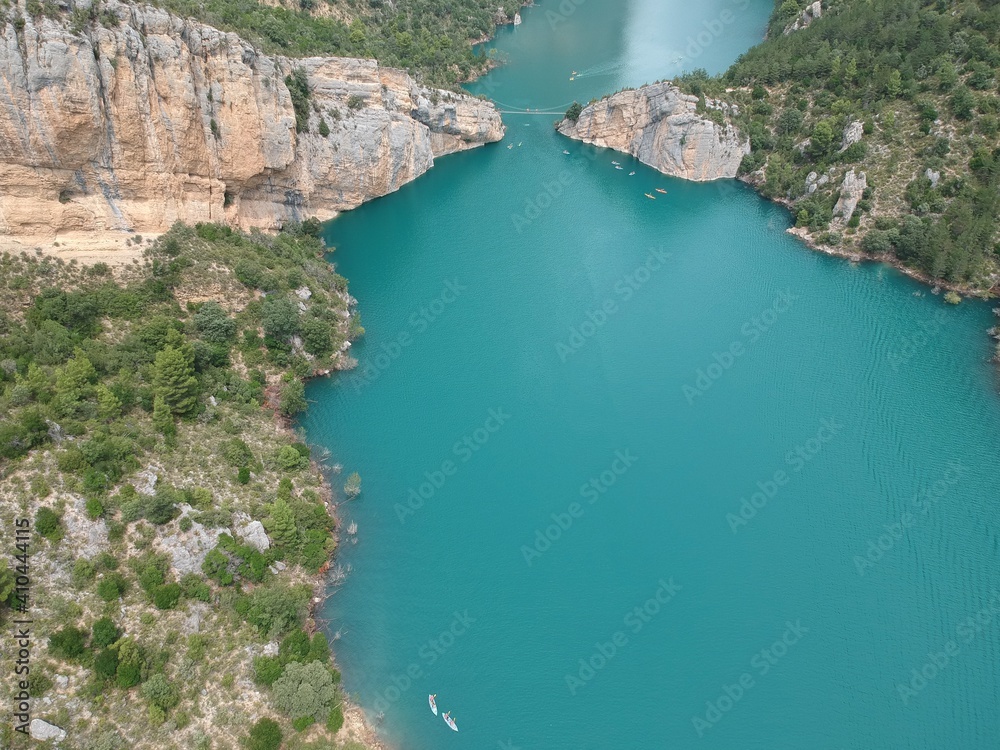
[78, 435]
[921, 77]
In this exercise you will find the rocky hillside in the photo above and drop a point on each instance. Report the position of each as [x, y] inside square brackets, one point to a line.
[176, 535]
[125, 117]
[877, 123]
[676, 133]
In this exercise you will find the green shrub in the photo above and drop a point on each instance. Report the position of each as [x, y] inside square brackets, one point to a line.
[95, 509]
[48, 524]
[335, 720]
[289, 459]
[574, 111]
[265, 734]
[298, 88]
[195, 588]
[128, 675]
[267, 669]
[294, 647]
[293, 399]
[214, 325]
[106, 664]
[68, 643]
[167, 595]
[303, 722]
[105, 632]
[158, 691]
[237, 453]
[274, 609]
[83, 573]
[111, 586]
[304, 690]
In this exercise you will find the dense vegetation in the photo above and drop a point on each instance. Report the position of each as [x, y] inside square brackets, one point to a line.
[138, 411]
[430, 38]
[920, 79]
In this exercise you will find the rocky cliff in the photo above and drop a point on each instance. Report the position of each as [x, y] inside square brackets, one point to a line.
[662, 127]
[154, 119]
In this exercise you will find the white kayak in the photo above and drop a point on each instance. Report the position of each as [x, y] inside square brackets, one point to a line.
[433, 703]
[450, 721]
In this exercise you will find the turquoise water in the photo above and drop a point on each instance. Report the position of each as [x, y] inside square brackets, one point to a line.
[566, 393]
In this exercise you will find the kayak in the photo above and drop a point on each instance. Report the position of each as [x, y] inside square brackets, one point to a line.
[651, 197]
[433, 704]
[661, 190]
[450, 721]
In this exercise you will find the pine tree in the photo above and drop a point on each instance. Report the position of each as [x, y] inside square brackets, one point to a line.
[108, 405]
[280, 523]
[74, 382]
[163, 419]
[174, 380]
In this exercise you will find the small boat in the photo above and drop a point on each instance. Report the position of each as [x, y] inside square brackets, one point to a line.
[575, 73]
[620, 167]
[433, 703]
[519, 144]
[661, 190]
[510, 146]
[450, 721]
[572, 78]
[566, 152]
[615, 163]
[651, 197]
[632, 173]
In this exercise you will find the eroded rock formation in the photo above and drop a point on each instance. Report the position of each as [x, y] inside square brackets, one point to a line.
[662, 127]
[157, 119]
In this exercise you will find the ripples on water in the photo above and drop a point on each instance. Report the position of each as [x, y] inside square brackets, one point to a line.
[845, 349]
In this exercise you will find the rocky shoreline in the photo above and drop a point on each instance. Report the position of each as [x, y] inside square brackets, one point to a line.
[679, 136]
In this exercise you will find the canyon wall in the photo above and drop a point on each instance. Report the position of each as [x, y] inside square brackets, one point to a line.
[137, 124]
[662, 127]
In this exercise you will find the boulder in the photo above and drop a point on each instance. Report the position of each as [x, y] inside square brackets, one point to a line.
[251, 532]
[852, 134]
[43, 731]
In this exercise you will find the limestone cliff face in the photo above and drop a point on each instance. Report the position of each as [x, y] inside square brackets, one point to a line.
[158, 119]
[660, 126]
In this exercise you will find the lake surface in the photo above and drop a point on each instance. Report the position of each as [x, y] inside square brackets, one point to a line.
[652, 474]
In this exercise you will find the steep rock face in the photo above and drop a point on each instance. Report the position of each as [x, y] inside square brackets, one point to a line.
[851, 192]
[161, 119]
[660, 125]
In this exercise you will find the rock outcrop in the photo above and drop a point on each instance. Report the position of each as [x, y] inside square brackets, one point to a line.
[805, 19]
[157, 119]
[43, 731]
[851, 192]
[662, 127]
